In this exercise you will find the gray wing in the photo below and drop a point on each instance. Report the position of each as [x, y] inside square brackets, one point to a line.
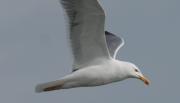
[86, 24]
[114, 43]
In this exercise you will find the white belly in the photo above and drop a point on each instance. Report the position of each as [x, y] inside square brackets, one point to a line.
[91, 76]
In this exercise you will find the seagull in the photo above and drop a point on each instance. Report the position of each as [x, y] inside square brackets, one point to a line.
[94, 50]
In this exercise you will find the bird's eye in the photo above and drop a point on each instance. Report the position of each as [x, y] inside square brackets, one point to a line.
[136, 70]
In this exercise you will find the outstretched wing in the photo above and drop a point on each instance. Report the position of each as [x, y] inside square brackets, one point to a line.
[86, 23]
[114, 43]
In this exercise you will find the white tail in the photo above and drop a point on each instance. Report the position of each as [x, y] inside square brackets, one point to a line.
[50, 86]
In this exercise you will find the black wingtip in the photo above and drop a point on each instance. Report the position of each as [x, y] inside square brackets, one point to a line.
[109, 33]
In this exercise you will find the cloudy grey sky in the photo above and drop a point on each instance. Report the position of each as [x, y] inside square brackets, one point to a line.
[34, 49]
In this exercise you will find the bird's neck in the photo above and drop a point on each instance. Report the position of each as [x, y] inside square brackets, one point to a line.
[122, 69]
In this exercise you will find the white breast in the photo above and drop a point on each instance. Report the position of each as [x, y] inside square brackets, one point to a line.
[101, 74]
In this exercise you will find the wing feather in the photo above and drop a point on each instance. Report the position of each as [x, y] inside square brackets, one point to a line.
[114, 43]
[86, 24]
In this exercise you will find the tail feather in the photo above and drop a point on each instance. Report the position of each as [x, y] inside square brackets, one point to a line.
[50, 86]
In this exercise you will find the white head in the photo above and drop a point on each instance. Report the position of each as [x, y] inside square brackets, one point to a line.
[134, 72]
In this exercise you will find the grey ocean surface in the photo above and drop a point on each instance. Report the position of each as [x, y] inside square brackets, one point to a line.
[34, 48]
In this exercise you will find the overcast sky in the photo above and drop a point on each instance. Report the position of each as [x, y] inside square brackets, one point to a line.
[34, 49]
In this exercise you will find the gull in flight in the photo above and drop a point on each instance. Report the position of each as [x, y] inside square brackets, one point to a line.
[94, 50]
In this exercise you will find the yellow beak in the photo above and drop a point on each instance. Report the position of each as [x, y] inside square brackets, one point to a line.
[144, 79]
